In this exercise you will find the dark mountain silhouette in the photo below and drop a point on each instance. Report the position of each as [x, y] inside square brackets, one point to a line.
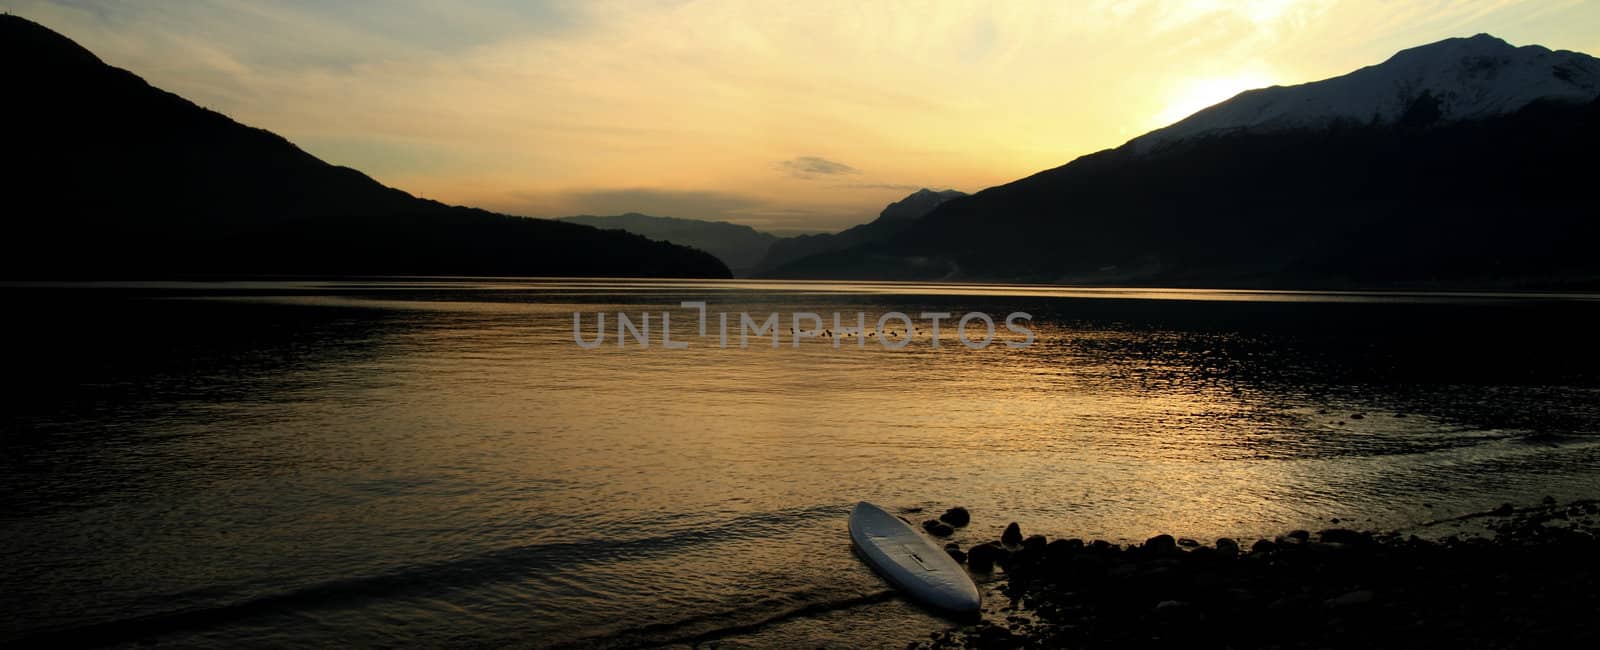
[110, 177]
[1471, 165]
[740, 247]
[894, 219]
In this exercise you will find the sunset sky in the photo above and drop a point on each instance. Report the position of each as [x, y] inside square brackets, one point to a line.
[787, 116]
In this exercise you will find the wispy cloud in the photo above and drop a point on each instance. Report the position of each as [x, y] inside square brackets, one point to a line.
[813, 166]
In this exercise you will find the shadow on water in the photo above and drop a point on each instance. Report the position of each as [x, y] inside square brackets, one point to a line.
[503, 566]
[104, 374]
[751, 616]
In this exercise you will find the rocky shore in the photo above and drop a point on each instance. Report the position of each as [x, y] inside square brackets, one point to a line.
[1530, 580]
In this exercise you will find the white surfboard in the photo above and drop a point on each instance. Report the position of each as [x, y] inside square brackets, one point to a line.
[910, 561]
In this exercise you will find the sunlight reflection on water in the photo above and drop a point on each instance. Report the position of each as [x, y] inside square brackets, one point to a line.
[437, 461]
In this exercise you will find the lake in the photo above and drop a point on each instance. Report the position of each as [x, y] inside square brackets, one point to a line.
[439, 462]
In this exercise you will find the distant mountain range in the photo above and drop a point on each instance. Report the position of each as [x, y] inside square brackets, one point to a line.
[895, 218]
[1464, 163]
[110, 177]
[742, 248]
[751, 252]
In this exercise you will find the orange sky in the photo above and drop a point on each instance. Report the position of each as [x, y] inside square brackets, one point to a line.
[792, 116]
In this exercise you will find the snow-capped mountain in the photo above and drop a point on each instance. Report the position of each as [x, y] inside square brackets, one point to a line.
[1448, 168]
[1462, 78]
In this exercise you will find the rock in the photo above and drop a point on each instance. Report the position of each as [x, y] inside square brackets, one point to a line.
[1012, 536]
[1085, 564]
[1343, 536]
[1503, 510]
[1062, 548]
[1548, 500]
[937, 528]
[1263, 546]
[1358, 416]
[1227, 547]
[1022, 559]
[1102, 546]
[955, 552]
[1357, 597]
[983, 556]
[1035, 542]
[1161, 544]
[1187, 543]
[1300, 535]
[957, 516]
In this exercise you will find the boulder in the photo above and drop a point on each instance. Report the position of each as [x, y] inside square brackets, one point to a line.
[957, 516]
[1343, 536]
[1161, 544]
[1227, 547]
[983, 556]
[1012, 535]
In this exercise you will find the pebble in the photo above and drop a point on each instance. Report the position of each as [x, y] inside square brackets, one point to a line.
[957, 516]
[1012, 535]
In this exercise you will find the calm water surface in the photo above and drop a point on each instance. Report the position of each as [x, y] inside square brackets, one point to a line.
[437, 463]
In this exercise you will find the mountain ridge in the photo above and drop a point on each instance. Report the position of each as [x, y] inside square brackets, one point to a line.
[893, 219]
[739, 246]
[1466, 78]
[1491, 201]
[160, 186]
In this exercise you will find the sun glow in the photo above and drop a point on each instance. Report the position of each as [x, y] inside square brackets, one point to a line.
[703, 109]
[1194, 94]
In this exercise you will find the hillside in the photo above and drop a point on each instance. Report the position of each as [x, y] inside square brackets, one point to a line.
[740, 247]
[894, 218]
[1466, 185]
[111, 177]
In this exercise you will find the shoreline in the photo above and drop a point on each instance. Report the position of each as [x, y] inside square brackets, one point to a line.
[1526, 580]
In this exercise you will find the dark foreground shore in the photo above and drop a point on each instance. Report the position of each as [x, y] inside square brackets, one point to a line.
[1530, 579]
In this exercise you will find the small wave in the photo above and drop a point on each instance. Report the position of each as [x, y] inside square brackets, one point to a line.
[505, 565]
[712, 626]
